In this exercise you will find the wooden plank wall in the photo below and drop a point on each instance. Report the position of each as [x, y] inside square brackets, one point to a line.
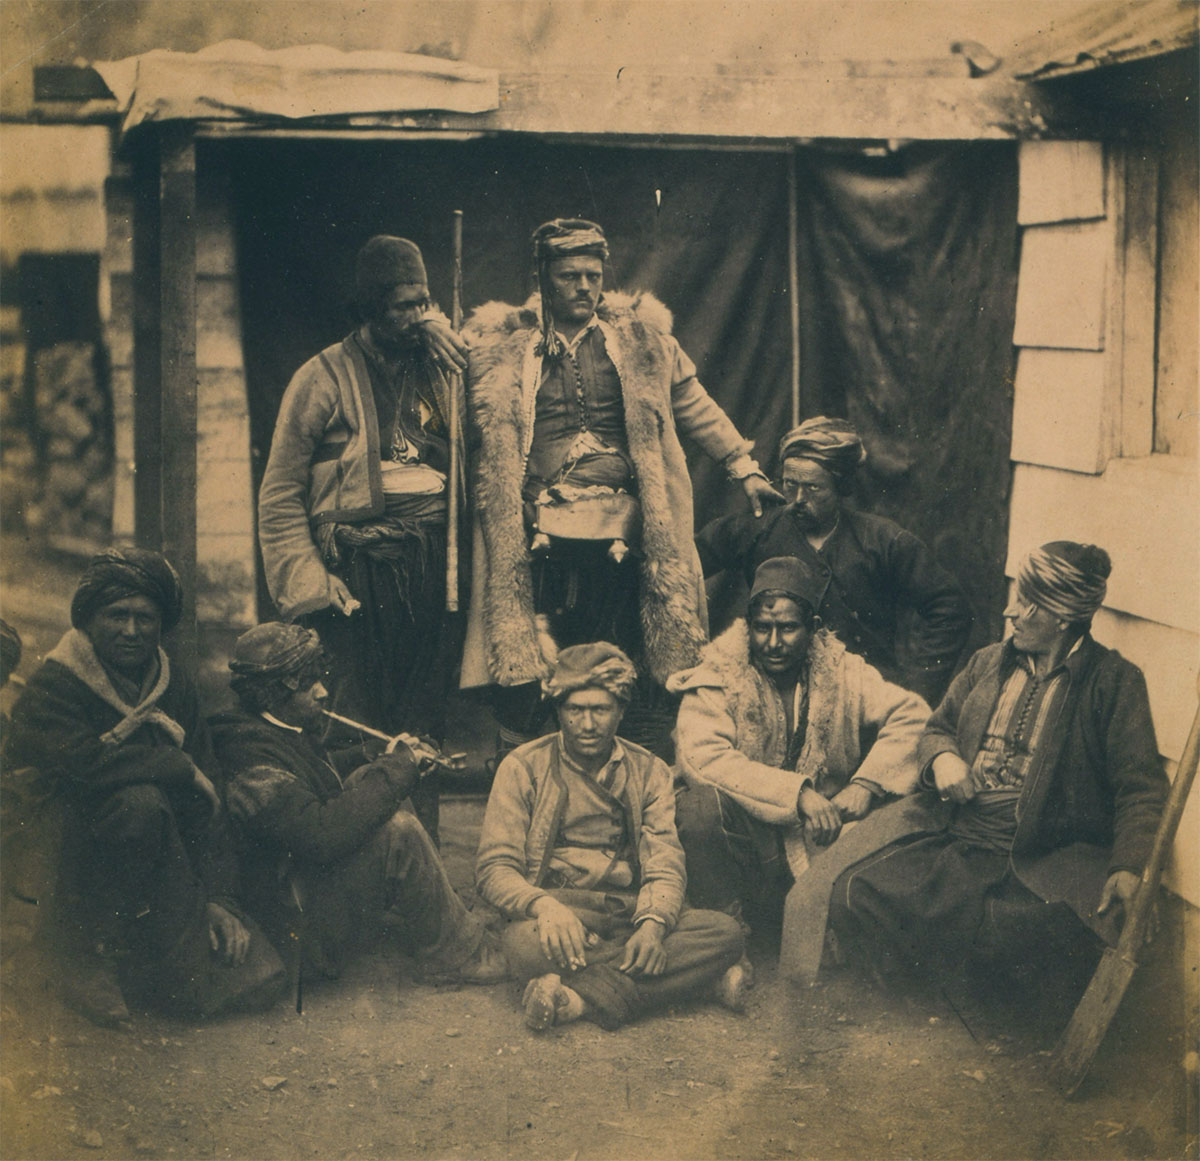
[1083, 423]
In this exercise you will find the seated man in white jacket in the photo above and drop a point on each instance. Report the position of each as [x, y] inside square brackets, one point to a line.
[782, 737]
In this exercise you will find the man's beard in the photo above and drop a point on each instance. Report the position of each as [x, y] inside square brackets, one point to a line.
[403, 341]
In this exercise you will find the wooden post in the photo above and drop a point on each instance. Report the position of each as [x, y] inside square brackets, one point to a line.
[147, 368]
[456, 395]
[165, 361]
[794, 279]
[177, 220]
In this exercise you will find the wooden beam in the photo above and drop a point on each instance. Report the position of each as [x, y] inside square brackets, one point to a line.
[164, 359]
[177, 247]
[829, 100]
[147, 366]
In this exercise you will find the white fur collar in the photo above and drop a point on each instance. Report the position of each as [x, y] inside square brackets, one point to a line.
[75, 653]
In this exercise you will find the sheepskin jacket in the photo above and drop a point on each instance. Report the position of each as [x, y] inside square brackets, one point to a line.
[72, 725]
[732, 731]
[662, 398]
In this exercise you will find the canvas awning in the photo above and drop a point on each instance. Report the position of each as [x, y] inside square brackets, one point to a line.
[236, 80]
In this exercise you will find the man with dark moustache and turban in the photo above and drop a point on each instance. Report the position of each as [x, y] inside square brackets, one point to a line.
[578, 400]
[144, 900]
[884, 594]
[579, 852]
[327, 849]
[784, 740]
[353, 505]
[1044, 757]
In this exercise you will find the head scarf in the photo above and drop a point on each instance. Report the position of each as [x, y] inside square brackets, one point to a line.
[272, 661]
[790, 577]
[118, 573]
[10, 650]
[597, 665]
[1066, 579]
[383, 264]
[562, 238]
[834, 444]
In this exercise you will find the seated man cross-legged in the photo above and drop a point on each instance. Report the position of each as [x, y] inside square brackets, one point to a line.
[1043, 752]
[579, 851]
[327, 848]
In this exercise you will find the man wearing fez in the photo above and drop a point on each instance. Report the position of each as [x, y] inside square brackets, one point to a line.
[578, 400]
[784, 736]
[353, 505]
[882, 591]
[579, 852]
[1044, 755]
[144, 902]
[328, 850]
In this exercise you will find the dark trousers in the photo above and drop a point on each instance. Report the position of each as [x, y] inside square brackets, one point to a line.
[588, 597]
[936, 902]
[733, 859]
[699, 950]
[129, 882]
[393, 662]
[394, 885]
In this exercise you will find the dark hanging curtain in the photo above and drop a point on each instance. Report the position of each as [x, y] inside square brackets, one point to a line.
[706, 231]
[908, 274]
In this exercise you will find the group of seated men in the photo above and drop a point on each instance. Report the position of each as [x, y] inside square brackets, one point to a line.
[198, 856]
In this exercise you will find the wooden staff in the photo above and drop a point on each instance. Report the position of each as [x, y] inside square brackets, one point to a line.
[456, 469]
[793, 190]
[453, 763]
[1081, 1040]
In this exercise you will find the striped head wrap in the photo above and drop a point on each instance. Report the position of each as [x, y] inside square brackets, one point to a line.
[562, 238]
[272, 661]
[597, 665]
[834, 444]
[118, 573]
[1067, 579]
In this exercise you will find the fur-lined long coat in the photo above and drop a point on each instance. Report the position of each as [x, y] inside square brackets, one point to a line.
[732, 731]
[663, 398]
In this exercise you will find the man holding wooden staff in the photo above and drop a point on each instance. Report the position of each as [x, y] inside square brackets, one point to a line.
[353, 509]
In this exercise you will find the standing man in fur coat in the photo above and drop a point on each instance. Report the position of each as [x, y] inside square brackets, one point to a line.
[783, 737]
[578, 400]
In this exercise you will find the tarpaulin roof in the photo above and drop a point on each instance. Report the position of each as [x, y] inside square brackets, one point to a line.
[238, 80]
[1109, 34]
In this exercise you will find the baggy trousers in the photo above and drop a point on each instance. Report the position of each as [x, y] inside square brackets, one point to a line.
[701, 947]
[129, 880]
[394, 884]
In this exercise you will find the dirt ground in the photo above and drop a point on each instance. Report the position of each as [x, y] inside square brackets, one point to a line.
[378, 1066]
